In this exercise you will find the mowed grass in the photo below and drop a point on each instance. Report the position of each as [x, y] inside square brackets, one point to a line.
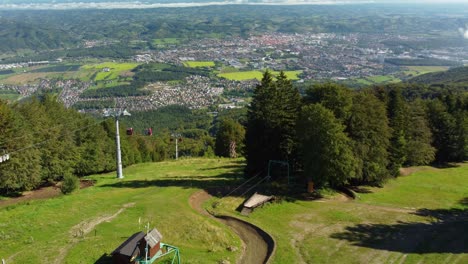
[166, 41]
[156, 193]
[10, 96]
[420, 218]
[197, 64]
[249, 75]
[115, 70]
[419, 70]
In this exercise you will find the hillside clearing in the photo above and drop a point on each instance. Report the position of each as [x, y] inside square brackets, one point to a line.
[248, 75]
[416, 218]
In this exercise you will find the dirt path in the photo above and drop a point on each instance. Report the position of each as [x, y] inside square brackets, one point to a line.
[85, 227]
[258, 246]
[42, 193]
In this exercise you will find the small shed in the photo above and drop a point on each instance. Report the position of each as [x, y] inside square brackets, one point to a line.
[130, 250]
[133, 250]
[153, 238]
[255, 201]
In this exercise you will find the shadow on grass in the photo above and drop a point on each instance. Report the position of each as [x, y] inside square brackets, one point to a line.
[104, 259]
[217, 185]
[238, 166]
[446, 233]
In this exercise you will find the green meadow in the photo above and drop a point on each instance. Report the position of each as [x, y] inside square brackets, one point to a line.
[419, 70]
[248, 75]
[419, 218]
[196, 64]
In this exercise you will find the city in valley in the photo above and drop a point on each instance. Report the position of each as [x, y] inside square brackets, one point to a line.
[236, 64]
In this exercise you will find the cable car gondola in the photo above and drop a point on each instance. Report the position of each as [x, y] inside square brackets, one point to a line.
[130, 131]
[149, 131]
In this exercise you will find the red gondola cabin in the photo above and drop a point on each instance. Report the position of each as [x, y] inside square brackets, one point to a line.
[149, 131]
[130, 131]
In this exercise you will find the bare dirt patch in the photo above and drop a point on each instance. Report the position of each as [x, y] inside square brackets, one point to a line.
[42, 193]
[83, 228]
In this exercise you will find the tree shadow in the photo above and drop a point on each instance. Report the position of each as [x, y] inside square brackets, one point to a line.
[464, 201]
[445, 233]
[217, 185]
[104, 259]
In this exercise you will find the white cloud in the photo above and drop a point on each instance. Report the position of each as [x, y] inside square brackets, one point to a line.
[464, 32]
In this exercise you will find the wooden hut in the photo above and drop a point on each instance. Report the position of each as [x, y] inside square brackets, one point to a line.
[153, 238]
[129, 251]
[134, 248]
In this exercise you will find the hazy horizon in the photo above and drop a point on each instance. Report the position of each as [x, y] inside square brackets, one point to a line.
[128, 4]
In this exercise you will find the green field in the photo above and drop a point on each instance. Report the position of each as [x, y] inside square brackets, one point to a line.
[166, 41]
[419, 70]
[9, 96]
[49, 231]
[248, 75]
[115, 70]
[196, 64]
[420, 218]
[109, 74]
[377, 79]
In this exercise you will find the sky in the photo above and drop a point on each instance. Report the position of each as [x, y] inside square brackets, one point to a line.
[138, 4]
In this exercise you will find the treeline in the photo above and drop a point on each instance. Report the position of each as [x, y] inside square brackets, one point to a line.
[48, 142]
[154, 72]
[116, 91]
[421, 62]
[337, 136]
[114, 51]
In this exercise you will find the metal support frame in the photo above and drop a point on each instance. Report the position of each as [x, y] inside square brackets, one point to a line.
[176, 136]
[116, 113]
[169, 250]
[270, 162]
[118, 152]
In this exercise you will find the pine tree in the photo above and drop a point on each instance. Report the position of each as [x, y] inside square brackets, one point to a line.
[419, 150]
[229, 139]
[368, 129]
[271, 122]
[22, 171]
[397, 114]
[333, 96]
[325, 150]
[444, 129]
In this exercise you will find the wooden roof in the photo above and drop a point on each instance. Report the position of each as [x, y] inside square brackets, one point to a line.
[256, 200]
[153, 237]
[130, 245]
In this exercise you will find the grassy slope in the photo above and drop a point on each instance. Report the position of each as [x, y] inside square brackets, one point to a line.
[248, 75]
[42, 228]
[381, 227]
[195, 64]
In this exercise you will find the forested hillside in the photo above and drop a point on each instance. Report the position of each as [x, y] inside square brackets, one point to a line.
[333, 135]
[47, 142]
[45, 30]
[455, 76]
[338, 136]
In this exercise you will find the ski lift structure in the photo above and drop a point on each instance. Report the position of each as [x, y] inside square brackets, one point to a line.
[141, 248]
